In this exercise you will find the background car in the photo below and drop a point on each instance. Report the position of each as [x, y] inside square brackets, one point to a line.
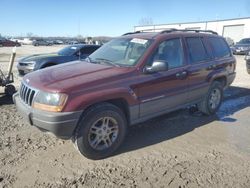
[41, 42]
[69, 53]
[71, 42]
[58, 42]
[5, 42]
[241, 47]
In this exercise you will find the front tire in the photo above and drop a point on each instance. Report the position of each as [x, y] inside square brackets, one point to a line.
[212, 101]
[101, 131]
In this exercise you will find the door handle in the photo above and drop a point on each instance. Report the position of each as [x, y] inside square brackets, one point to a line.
[181, 75]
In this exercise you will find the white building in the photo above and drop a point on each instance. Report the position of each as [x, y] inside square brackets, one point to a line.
[235, 29]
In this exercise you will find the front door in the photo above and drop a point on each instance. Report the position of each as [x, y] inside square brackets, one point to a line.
[164, 91]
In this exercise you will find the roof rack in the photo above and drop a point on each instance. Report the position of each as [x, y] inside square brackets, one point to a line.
[170, 30]
[189, 30]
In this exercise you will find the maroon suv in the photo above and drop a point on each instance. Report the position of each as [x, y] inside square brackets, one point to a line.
[8, 43]
[130, 79]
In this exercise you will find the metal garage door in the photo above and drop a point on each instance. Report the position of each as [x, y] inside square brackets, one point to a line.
[234, 32]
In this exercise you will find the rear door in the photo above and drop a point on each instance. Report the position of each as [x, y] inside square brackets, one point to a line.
[224, 63]
[164, 91]
[200, 66]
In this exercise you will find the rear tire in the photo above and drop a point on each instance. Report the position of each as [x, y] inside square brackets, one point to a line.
[101, 131]
[212, 101]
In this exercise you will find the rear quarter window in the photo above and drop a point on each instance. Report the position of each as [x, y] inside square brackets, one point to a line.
[219, 47]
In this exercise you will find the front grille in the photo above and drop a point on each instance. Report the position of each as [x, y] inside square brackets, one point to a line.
[26, 94]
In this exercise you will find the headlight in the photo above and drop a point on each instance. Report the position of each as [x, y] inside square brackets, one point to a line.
[53, 102]
[29, 63]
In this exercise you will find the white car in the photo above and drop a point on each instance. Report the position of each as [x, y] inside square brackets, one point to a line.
[27, 41]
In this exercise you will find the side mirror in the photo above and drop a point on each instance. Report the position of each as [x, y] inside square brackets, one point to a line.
[157, 66]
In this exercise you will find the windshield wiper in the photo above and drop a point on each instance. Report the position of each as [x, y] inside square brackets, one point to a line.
[107, 61]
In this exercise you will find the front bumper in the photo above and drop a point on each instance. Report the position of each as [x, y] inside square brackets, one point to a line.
[61, 124]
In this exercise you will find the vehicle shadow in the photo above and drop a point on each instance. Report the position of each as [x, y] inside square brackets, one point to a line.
[5, 100]
[178, 123]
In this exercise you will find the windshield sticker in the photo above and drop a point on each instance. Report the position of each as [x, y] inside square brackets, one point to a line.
[139, 41]
[73, 48]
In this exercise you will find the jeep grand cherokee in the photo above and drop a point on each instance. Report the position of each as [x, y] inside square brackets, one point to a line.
[128, 80]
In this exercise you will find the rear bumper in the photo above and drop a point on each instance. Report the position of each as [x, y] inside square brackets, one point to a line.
[240, 51]
[247, 59]
[230, 78]
[61, 124]
[248, 67]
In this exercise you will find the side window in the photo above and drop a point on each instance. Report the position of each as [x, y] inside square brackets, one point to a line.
[219, 46]
[87, 50]
[171, 52]
[196, 50]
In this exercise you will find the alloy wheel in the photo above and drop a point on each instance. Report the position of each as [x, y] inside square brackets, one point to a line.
[103, 133]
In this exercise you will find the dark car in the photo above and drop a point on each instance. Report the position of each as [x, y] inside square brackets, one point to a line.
[58, 42]
[128, 80]
[41, 42]
[69, 53]
[247, 58]
[72, 42]
[242, 47]
[8, 43]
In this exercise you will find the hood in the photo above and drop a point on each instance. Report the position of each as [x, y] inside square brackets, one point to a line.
[73, 76]
[36, 57]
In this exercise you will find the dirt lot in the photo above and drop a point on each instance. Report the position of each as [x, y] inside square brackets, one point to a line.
[175, 150]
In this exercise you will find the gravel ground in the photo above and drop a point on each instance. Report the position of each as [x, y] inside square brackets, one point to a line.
[175, 150]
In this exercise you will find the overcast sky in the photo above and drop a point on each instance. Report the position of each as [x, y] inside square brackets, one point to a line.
[108, 17]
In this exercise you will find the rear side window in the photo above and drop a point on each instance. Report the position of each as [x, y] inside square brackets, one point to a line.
[219, 46]
[87, 50]
[196, 50]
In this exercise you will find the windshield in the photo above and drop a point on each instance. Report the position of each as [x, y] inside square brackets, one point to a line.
[70, 50]
[120, 52]
[244, 41]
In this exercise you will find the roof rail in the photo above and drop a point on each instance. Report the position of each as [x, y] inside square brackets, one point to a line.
[189, 30]
[140, 31]
[129, 33]
[170, 30]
